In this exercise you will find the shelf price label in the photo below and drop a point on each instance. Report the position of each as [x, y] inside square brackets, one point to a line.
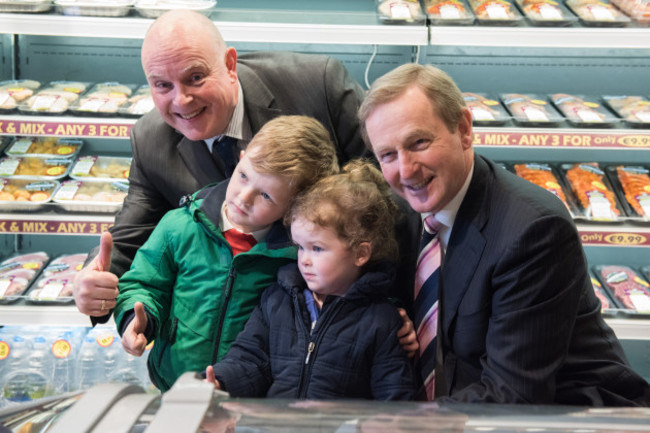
[624, 239]
[65, 129]
[54, 227]
[560, 139]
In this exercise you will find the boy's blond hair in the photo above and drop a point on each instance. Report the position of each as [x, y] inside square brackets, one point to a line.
[357, 204]
[297, 147]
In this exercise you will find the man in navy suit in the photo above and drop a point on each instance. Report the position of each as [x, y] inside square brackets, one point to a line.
[203, 92]
[518, 320]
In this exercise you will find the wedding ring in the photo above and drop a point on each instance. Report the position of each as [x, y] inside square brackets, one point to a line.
[103, 307]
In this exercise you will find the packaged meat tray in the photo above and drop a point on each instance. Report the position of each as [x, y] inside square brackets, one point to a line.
[12, 92]
[496, 12]
[155, 8]
[102, 99]
[582, 111]
[55, 284]
[140, 103]
[531, 110]
[634, 110]
[631, 292]
[101, 168]
[638, 10]
[55, 98]
[485, 110]
[91, 196]
[44, 147]
[546, 12]
[96, 8]
[25, 194]
[449, 12]
[40, 168]
[593, 192]
[632, 184]
[545, 176]
[400, 12]
[17, 273]
[25, 6]
[599, 13]
[607, 306]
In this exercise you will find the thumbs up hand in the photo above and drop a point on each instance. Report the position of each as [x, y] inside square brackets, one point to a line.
[134, 340]
[95, 287]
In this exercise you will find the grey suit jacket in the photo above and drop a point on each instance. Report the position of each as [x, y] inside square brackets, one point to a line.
[519, 320]
[166, 166]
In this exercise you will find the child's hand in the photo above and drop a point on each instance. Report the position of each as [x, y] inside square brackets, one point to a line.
[210, 377]
[133, 340]
[407, 336]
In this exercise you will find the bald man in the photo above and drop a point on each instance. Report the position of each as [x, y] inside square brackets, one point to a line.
[207, 98]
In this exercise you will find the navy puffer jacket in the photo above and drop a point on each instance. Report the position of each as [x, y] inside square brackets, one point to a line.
[352, 352]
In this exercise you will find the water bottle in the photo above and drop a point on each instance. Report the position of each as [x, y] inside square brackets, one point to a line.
[88, 365]
[62, 349]
[39, 369]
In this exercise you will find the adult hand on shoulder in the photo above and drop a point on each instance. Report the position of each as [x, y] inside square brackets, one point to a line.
[95, 288]
[408, 339]
[211, 378]
[133, 339]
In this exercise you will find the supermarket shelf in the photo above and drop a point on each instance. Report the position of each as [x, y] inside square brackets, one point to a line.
[44, 315]
[531, 37]
[232, 31]
[630, 329]
[67, 126]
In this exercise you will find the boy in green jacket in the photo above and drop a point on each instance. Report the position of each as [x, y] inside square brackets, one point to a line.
[195, 282]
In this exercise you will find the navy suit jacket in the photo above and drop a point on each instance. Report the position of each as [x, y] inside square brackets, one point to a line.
[519, 320]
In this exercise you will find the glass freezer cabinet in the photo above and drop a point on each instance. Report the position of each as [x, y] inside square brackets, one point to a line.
[193, 406]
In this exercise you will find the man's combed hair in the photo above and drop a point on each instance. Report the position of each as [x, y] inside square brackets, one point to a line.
[357, 204]
[298, 147]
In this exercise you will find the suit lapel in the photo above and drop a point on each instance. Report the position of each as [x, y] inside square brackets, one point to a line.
[466, 244]
[259, 101]
[200, 164]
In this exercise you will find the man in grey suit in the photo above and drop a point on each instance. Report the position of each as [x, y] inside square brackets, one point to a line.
[517, 317]
[206, 98]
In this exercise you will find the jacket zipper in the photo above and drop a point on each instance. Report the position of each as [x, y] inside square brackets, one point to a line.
[226, 299]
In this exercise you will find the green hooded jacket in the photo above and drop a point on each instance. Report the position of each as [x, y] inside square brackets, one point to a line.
[196, 295]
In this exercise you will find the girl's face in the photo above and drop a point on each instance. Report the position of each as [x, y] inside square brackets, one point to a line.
[325, 261]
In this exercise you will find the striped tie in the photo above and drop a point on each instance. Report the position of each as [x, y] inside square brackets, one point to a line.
[426, 300]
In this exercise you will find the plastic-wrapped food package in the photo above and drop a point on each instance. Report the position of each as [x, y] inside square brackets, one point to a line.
[25, 6]
[631, 291]
[449, 12]
[56, 282]
[44, 147]
[25, 194]
[39, 168]
[103, 99]
[632, 184]
[400, 12]
[12, 92]
[99, 8]
[531, 110]
[17, 273]
[497, 12]
[598, 13]
[485, 110]
[638, 10]
[546, 12]
[155, 8]
[594, 194]
[91, 196]
[545, 176]
[583, 111]
[140, 103]
[634, 110]
[101, 168]
[55, 98]
[606, 304]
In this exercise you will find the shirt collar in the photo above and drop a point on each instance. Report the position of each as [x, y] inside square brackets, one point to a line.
[225, 224]
[238, 126]
[447, 215]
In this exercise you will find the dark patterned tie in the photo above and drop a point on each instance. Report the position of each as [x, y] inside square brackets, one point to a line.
[426, 300]
[224, 151]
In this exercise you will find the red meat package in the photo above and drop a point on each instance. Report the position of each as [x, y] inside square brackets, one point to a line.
[56, 281]
[17, 273]
[630, 290]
